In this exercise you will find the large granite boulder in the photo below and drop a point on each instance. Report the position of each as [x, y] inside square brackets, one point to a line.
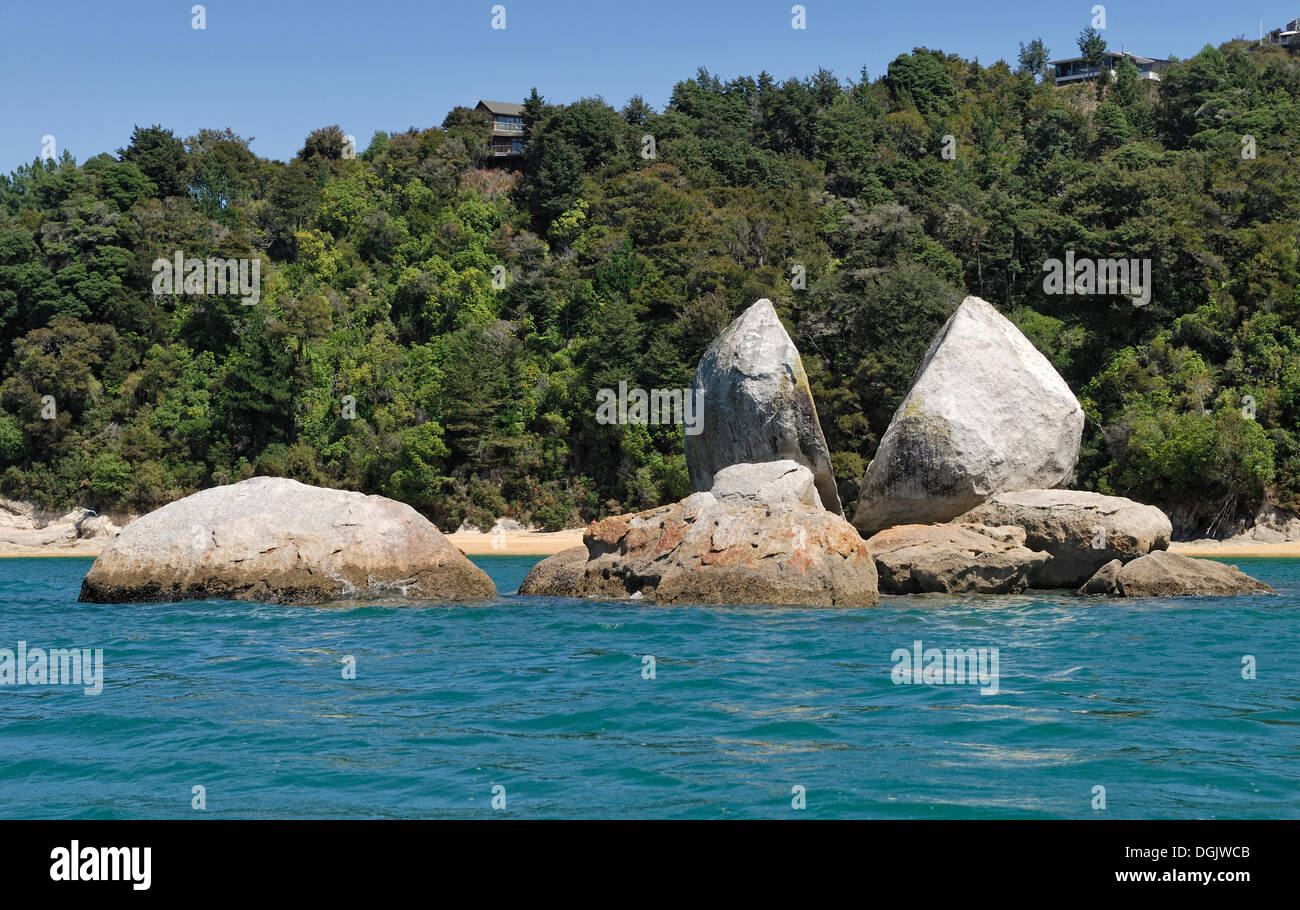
[280, 541]
[923, 559]
[757, 405]
[1164, 574]
[986, 413]
[705, 550]
[1083, 531]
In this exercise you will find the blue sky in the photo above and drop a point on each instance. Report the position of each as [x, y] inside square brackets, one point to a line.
[86, 72]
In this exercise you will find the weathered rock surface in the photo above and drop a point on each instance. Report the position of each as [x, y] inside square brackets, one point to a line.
[706, 551]
[1272, 525]
[1083, 531]
[26, 528]
[921, 559]
[280, 541]
[1005, 533]
[1105, 580]
[769, 482]
[556, 576]
[1165, 574]
[757, 405]
[986, 413]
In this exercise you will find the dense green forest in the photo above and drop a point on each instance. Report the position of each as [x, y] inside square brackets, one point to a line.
[473, 401]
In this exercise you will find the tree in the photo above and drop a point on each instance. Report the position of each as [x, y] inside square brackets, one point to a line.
[1033, 58]
[636, 111]
[1112, 126]
[556, 177]
[1126, 83]
[1092, 47]
[161, 157]
[921, 78]
[473, 128]
[326, 142]
[534, 111]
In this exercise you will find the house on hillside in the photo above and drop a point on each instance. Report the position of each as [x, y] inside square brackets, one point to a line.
[1076, 69]
[1288, 34]
[507, 130]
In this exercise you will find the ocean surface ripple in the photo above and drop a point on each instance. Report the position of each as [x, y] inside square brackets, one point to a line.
[549, 699]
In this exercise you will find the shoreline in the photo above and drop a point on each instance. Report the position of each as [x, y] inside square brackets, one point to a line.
[9, 551]
[1256, 548]
[548, 543]
[471, 543]
[516, 543]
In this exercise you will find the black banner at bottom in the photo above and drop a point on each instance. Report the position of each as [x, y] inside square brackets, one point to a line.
[332, 859]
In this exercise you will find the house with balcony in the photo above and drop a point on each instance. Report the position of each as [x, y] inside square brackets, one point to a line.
[1076, 69]
[507, 130]
[1287, 36]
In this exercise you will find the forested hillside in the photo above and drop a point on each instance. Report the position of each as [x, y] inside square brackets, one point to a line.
[473, 401]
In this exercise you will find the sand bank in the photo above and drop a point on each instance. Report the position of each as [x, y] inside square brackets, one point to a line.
[1289, 548]
[547, 543]
[517, 543]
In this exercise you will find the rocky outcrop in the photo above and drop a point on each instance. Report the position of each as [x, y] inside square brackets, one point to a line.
[279, 541]
[1165, 574]
[1082, 531]
[556, 576]
[1272, 525]
[986, 413]
[757, 405]
[707, 550]
[1105, 580]
[26, 528]
[922, 559]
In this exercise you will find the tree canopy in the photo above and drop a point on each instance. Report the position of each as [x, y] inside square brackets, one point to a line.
[436, 330]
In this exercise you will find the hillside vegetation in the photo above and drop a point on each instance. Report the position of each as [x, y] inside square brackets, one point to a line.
[834, 198]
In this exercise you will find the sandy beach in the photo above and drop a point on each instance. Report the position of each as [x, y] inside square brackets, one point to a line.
[1290, 548]
[512, 543]
[11, 551]
[548, 543]
[517, 543]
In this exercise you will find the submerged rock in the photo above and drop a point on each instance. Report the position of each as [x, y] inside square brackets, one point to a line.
[709, 551]
[757, 405]
[1082, 531]
[986, 413]
[1165, 574]
[280, 541]
[923, 559]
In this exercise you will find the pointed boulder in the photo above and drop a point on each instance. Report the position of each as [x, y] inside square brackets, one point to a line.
[757, 405]
[986, 413]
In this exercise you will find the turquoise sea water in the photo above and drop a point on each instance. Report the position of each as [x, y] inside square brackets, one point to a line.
[547, 698]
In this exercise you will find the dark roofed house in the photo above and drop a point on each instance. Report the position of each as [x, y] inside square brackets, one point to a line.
[1076, 69]
[507, 129]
